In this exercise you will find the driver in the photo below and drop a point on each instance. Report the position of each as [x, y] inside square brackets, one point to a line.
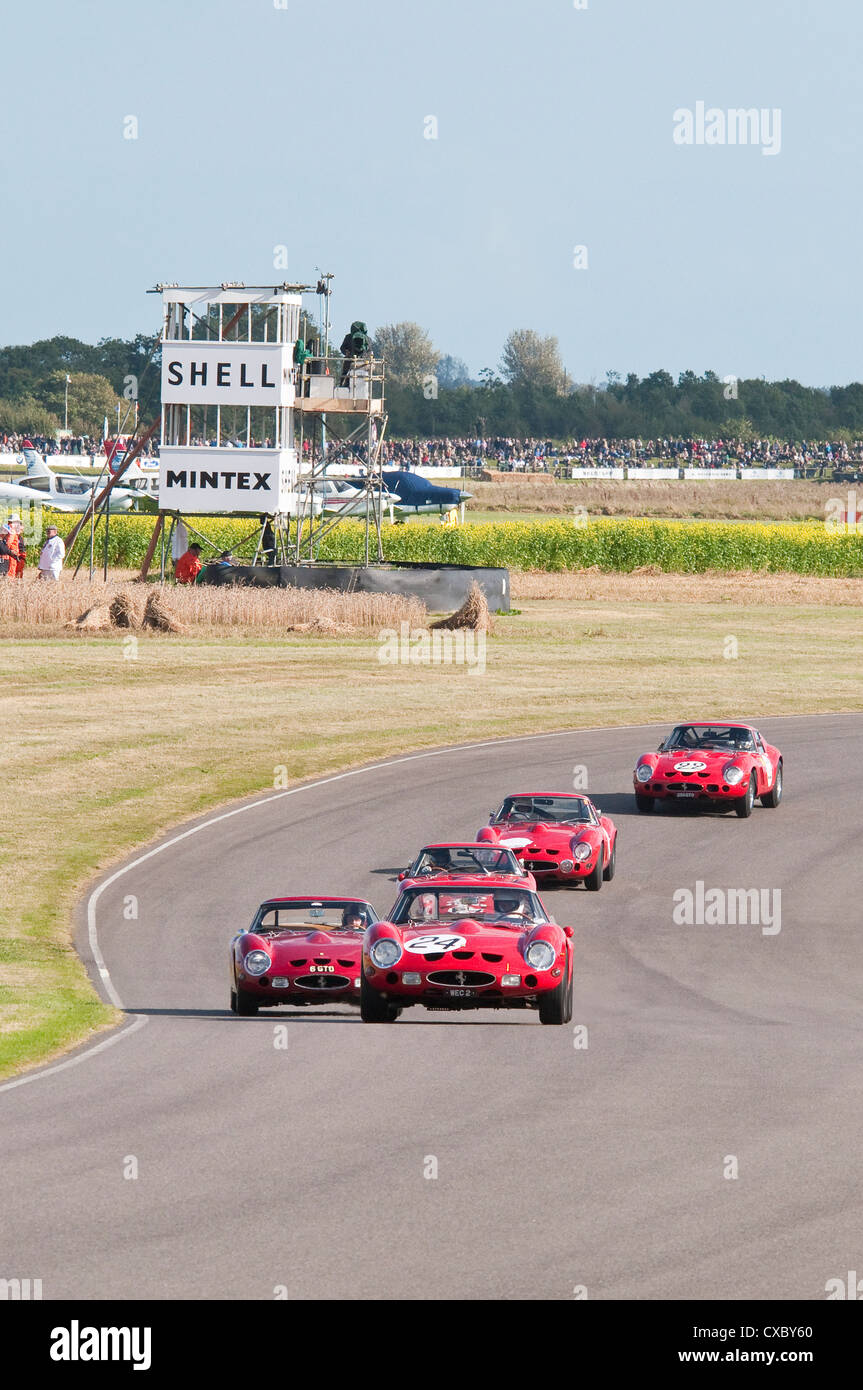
[353, 918]
[511, 905]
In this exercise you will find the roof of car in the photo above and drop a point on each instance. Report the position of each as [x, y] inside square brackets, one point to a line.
[314, 898]
[468, 883]
[575, 796]
[715, 724]
[461, 844]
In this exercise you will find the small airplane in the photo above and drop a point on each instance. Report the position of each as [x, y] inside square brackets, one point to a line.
[347, 496]
[61, 492]
[415, 494]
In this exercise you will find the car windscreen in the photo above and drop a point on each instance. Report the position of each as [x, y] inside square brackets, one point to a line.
[727, 737]
[569, 810]
[311, 915]
[418, 906]
[459, 859]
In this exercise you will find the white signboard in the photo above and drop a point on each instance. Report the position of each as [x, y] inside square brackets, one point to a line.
[652, 473]
[768, 475]
[578, 472]
[226, 374]
[709, 473]
[202, 481]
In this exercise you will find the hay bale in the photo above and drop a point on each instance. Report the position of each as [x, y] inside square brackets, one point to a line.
[95, 619]
[158, 615]
[125, 611]
[326, 626]
[474, 613]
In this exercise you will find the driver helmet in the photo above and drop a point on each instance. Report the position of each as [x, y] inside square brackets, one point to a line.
[351, 914]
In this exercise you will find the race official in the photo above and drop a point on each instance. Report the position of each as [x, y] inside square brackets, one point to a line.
[8, 554]
[15, 544]
[52, 555]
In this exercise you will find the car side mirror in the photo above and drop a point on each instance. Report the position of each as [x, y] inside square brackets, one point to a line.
[403, 874]
[568, 931]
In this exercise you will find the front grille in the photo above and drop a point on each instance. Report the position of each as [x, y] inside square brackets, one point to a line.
[459, 979]
[322, 982]
[540, 864]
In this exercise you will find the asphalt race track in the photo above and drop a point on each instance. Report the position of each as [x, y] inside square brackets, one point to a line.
[557, 1166]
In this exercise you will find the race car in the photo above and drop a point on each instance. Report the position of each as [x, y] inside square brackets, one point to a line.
[479, 944]
[456, 860]
[300, 950]
[560, 837]
[720, 765]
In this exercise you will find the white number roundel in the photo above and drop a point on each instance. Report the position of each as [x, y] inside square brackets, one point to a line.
[437, 941]
[690, 767]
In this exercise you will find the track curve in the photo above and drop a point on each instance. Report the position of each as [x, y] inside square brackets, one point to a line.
[558, 1166]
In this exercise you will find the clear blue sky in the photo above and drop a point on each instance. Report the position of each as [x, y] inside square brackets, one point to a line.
[304, 126]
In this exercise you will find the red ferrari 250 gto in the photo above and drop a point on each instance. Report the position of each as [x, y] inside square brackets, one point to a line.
[560, 837]
[299, 951]
[720, 764]
[480, 944]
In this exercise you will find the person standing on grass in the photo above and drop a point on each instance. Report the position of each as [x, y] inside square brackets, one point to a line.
[189, 566]
[8, 555]
[18, 555]
[52, 555]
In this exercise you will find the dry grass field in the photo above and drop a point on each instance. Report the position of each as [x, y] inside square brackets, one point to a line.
[108, 742]
[540, 495]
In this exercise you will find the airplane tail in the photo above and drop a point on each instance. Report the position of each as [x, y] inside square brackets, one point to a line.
[36, 466]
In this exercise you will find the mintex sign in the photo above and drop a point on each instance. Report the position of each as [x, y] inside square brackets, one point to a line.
[226, 480]
[226, 374]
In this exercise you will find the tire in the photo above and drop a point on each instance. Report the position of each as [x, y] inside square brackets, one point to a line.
[568, 1009]
[644, 803]
[246, 1006]
[374, 1008]
[593, 882]
[233, 1001]
[608, 871]
[744, 806]
[774, 796]
[556, 1006]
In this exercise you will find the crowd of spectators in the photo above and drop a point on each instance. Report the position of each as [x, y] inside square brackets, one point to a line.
[547, 456]
[82, 448]
[525, 455]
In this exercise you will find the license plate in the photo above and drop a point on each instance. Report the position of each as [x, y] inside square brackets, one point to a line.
[280, 982]
[461, 993]
[682, 794]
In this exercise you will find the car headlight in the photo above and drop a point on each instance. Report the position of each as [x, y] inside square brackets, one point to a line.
[643, 772]
[732, 775]
[540, 956]
[580, 850]
[385, 952]
[257, 963]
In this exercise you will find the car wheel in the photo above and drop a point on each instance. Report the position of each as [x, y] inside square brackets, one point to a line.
[774, 796]
[233, 1001]
[374, 1008]
[608, 871]
[568, 1018]
[556, 1006]
[644, 803]
[745, 804]
[247, 1007]
[593, 882]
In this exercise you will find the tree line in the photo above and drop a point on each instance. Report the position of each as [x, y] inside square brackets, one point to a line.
[528, 395]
